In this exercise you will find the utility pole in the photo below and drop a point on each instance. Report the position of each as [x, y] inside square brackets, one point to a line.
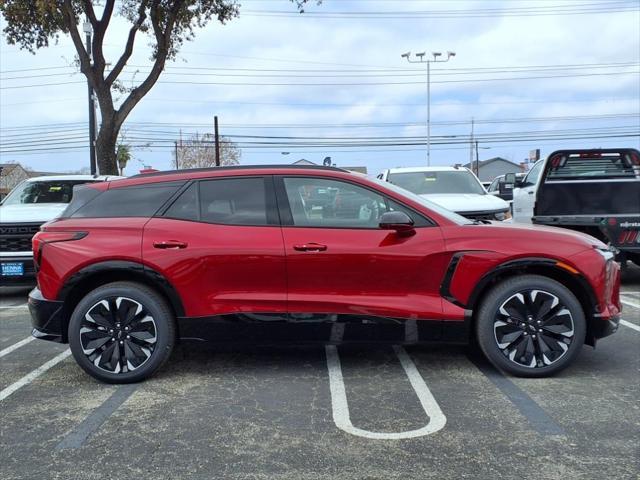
[217, 139]
[471, 140]
[175, 144]
[477, 161]
[436, 56]
[88, 30]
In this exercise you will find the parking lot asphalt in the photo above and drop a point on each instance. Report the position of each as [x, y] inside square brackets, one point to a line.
[316, 412]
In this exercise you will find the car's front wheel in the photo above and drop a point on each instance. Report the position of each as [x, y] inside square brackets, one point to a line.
[121, 332]
[530, 326]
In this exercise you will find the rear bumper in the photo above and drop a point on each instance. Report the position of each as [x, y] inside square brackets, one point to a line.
[29, 276]
[46, 318]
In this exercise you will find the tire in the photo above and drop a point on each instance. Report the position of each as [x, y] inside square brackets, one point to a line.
[530, 326]
[126, 347]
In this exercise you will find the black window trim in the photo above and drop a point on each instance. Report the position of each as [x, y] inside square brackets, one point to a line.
[272, 214]
[286, 217]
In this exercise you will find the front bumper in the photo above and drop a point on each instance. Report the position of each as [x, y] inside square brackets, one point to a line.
[601, 328]
[27, 278]
[46, 318]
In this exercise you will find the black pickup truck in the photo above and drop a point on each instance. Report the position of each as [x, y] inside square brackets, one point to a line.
[596, 192]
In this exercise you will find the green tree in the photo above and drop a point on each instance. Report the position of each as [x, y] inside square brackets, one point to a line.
[123, 155]
[168, 23]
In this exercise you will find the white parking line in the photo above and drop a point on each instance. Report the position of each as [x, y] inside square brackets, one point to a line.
[15, 307]
[631, 304]
[340, 405]
[15, 346]
[630, 325]
[30, 377]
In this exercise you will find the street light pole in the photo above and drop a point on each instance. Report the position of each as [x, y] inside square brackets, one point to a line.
[88, 30]
[436, 56]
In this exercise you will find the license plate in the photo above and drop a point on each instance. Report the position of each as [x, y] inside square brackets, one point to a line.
[14, 269]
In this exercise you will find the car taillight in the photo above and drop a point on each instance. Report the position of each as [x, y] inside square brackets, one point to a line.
[43, 237]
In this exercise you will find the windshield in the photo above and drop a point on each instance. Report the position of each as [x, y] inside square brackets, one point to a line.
[46, 191]
[425, 183]
[454, 217]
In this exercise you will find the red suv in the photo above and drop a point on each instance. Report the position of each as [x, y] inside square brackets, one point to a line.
[134, 265]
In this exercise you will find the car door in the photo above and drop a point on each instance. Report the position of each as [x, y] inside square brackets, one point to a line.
[524, 198]
[220, 245]
[340, 262]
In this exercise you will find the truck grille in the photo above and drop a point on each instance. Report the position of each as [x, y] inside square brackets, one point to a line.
[16, 237]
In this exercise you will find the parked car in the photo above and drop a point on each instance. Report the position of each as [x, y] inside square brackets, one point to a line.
[454, 188]
[30, 204]
[592, 191]
[132, 265]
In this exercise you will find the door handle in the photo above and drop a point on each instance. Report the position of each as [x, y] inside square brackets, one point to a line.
[531, 192]
[170, 245]
[310, 247]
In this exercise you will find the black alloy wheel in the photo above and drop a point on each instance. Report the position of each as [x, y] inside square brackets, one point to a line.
[118, 335]
[533, 328]
[122, 332]
[530, 326]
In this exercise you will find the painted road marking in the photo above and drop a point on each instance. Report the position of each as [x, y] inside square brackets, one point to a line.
[534, 413]
[30, 377]
[630, 325]
[22, 306]
[631, 304]
[15, 346]
[340, 405]
[77, 437]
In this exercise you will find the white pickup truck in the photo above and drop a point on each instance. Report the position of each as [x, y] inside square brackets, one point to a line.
[454, 188]
[594, 191]
[30, 204]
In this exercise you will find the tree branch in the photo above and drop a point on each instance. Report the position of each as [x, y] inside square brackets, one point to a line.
[163, 38]
[88, 9]
[128, 51]
[72, 24]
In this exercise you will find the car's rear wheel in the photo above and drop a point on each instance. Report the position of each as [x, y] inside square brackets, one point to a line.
[121, 332]
[530, 326]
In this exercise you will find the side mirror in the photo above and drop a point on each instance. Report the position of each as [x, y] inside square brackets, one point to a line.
[510, 178]
[398, 221]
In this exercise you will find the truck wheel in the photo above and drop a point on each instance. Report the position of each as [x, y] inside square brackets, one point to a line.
[530, 326]
[122, 332]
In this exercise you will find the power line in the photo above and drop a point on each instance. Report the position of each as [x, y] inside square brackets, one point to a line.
[330, 84]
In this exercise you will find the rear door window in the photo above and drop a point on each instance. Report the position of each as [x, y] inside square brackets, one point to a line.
[237, 201]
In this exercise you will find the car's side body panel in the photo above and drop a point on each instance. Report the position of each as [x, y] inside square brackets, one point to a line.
[109, 239]
[223, 268]
[367, 272]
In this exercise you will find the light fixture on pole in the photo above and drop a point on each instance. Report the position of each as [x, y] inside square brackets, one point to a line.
[436, 59]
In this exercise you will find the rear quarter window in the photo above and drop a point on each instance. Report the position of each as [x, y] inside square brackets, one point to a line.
[137, 201]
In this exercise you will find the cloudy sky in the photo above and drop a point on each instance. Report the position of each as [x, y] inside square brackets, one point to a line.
[532, 74]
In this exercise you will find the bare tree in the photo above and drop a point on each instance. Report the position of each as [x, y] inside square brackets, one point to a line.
[199, 151]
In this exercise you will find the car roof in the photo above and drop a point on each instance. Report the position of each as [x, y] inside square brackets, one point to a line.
[88, 178]
[235, 170]
[426, 169]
